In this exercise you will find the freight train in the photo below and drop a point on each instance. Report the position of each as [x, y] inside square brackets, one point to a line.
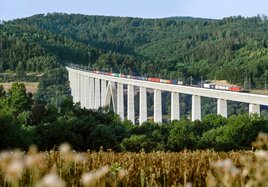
[173, 81]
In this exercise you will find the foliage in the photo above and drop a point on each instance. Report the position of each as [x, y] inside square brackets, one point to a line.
[53, 87]
[25, 121]
[174, 48]
[17, 98]
[177, 48]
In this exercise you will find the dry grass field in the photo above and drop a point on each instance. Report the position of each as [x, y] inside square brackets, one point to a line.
[65, 167]
[30, 86]
[114, 169]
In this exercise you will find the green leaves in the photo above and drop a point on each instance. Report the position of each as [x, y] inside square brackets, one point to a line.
[176, 48]
[17, 98]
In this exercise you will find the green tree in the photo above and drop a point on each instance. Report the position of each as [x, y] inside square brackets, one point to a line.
[20, 70]
[17, 98]
[136, 143]
[2, 92]
[181, 136]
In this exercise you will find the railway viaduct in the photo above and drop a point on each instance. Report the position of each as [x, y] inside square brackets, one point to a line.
[93, 90]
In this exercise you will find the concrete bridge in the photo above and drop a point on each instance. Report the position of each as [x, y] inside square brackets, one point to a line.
[93, 90]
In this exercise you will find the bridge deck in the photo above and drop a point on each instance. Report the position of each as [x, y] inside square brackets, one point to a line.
[227, 95]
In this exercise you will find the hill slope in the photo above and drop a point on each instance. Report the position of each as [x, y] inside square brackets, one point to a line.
[234, 48]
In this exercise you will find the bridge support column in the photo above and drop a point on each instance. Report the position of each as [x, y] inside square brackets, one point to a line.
[91, 93]
[143, 105]
[71, 74]
[222, 107]
[87, 93]
[97, 93]
[120, 100]
[77, 88]
[111, 95]
[83, 91]
[157, 106]
[70, 81]
[196, 107]
[103, 92]
[254, 109]
[175, 106]
[74, 88]
[130, 104]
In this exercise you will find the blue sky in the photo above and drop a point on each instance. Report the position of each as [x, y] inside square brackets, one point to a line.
[11, 9]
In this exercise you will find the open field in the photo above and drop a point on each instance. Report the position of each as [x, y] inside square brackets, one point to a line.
[30, 86]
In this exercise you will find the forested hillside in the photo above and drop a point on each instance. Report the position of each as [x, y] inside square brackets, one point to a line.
[40, 50]
[234, 48]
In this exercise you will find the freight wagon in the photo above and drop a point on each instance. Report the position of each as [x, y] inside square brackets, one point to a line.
[222, 87]
[150, 79]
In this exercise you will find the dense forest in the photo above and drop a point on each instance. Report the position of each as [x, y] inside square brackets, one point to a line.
[234, 48]
[25, 121]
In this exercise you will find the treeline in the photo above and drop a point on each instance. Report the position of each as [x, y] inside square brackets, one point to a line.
[25, 121]
[234, 48]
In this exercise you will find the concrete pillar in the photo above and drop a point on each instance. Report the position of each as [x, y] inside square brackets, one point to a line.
[71, 83]
[91, 93]
[120, 100]
[111, 95]
[254, 109]
[196, 107]
[87, 93]
[175, 106]
[70, 79]
[82, 91]
[97, 93]
[103, 92]
[143, 105]
[157, 106]
[222, 107]
[74, 88]
[80, 88]
[130, 103]
[77, 88]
